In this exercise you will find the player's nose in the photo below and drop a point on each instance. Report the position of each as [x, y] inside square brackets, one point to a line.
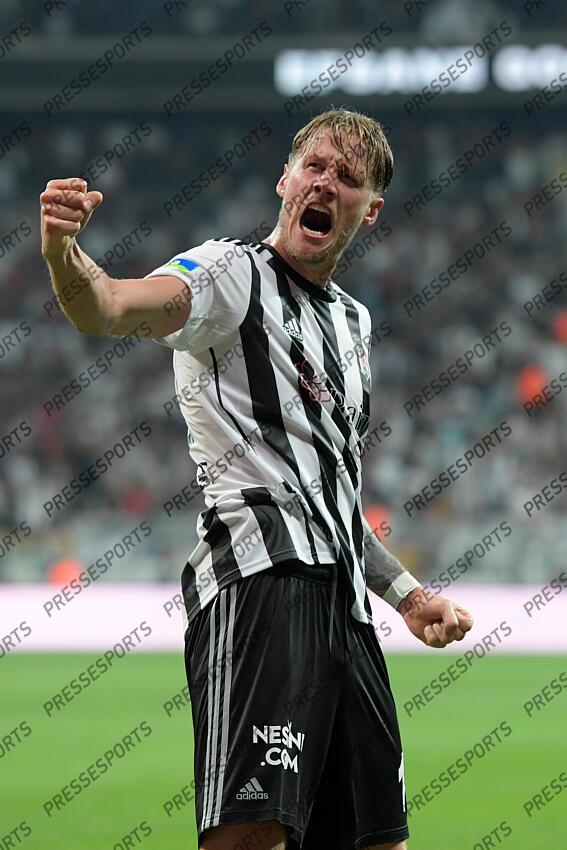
[324, 186]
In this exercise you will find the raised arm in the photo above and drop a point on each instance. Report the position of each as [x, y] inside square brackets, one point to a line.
[94, 302]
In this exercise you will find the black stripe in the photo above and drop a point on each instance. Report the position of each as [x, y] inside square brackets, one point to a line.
[234, 420]
[189, 588]
[331, 360]
[217, 536]
[262, 385]
[357, 533]
[262, 505]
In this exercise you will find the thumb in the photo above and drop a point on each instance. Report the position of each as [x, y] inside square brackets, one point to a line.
[450, 621]
[92, 201]
[466, 621]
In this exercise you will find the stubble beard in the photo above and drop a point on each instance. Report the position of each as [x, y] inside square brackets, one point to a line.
[326, 258]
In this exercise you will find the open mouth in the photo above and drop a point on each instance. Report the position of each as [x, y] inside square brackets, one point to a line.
[315, 221]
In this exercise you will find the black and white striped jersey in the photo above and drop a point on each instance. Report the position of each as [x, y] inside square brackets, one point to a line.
[274, 380]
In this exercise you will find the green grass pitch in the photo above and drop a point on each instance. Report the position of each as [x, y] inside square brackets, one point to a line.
[134, 790]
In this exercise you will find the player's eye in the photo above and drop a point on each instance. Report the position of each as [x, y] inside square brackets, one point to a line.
[316, 165]
[348, 178]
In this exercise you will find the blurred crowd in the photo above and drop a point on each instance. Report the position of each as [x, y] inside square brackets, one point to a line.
[406, 253]
[444, 19]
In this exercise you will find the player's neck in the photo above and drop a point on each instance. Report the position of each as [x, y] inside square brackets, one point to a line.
[317, 275]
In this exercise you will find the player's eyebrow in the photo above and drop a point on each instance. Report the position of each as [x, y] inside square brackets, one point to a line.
[344, 167]
[340, 163]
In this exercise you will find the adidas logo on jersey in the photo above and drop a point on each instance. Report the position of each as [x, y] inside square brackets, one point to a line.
[252, 791]
[293, 328]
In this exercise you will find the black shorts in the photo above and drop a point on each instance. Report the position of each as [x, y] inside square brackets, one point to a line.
[288, 725]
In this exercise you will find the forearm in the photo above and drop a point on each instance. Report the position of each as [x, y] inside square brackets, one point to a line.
[383, 569]
[94, 302]
[83, 290]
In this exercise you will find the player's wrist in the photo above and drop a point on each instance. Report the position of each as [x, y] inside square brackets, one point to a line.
[62, 255]
[401, 589]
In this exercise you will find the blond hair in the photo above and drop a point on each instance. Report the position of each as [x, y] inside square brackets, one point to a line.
[344, 123]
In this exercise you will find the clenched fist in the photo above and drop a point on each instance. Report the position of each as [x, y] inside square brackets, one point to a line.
[434, 620]
[66, 208]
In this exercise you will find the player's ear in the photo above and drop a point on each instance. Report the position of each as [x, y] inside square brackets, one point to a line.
[280, 185]
[373, 210]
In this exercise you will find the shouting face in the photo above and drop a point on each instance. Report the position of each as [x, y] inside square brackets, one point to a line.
[326, 197]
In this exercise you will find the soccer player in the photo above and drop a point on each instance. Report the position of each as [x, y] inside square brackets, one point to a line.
[296, 737]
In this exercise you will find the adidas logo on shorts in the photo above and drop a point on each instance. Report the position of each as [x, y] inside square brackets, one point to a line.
[252, 791]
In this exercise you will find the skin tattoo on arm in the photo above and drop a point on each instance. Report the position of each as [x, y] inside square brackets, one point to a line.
[381, 566]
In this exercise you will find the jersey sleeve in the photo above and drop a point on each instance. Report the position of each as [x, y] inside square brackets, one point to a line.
[219, 277]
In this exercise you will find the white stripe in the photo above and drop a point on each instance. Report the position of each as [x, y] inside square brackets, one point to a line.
[209, 704]
[226, 703]
[256, 784]
[205, 581]
[217, 699]
[240, 524]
